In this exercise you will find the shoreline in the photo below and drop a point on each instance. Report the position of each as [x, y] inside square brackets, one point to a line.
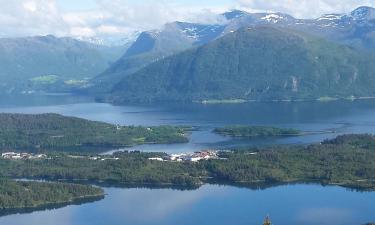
[242, 101]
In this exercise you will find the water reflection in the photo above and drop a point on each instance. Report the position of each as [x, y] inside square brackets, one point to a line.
[214, 204]
[49, 206]
[325, 216]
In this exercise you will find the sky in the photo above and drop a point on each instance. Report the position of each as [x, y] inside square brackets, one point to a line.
[100, 18]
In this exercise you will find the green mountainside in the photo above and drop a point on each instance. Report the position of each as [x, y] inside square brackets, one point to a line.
[262, 63]
[152, 46]
[24, 61]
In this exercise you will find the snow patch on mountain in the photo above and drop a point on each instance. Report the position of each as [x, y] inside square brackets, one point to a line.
[191, 32]
[330, 17]
[272, 18]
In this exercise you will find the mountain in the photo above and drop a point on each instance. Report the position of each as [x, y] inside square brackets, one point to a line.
[356, 29]
[154, 45]
[260, 63]
[111, 41]
[28, 61]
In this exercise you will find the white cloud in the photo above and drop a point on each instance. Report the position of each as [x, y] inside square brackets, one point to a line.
[111, 17]
[30, 6]
[27, 17]
[304, 8]
[117, 17]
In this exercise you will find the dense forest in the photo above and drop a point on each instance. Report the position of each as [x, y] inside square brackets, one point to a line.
[254, 131]
[52, 131]
[346, 161]
[131, 168]
[21, 194]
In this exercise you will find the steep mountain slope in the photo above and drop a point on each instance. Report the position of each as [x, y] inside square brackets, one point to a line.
[23, 59]
[262, 63]
[155, 45]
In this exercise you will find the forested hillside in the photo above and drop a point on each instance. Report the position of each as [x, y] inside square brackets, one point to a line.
[48, 63]
[262, 63]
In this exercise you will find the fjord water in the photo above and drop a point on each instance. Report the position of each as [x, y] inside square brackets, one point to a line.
[323, 119]
[212, 204]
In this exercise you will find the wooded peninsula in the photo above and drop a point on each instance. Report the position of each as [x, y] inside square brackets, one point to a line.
[61, 133]
[31, 194]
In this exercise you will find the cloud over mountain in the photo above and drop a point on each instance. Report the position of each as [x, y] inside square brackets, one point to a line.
[110, 17]
[119, 17]
[304, 8]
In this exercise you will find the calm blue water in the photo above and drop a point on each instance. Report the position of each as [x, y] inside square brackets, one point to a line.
[211, 204]
[340, 117]
[214, 205]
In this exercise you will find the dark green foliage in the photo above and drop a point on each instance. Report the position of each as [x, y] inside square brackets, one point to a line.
[17, 195]
[254, 131]
[261, 63]
[342, 164]
[52, 131]
[347, 164]
[131, 168]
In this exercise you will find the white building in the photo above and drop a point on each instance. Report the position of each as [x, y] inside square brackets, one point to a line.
[156, 159]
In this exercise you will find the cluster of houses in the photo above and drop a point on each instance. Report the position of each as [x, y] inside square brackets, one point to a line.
[190, 157]
[22, 156]
[94, 158]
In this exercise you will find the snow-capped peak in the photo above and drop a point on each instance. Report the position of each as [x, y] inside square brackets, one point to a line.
[272, 18]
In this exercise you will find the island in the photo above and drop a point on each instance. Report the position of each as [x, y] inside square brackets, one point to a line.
[347, 161]
[255, 131]
[26, 195]
[47, 132]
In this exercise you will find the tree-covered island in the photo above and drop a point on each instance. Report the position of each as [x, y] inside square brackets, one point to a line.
[255, 131]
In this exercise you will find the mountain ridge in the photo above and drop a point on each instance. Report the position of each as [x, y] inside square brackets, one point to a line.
[25, 58]
[262, 63]
[346, 29]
